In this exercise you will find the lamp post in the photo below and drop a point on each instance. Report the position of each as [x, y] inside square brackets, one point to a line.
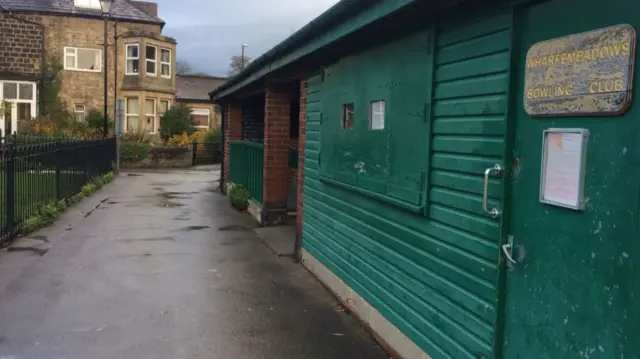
[244, 46]
[106, 5]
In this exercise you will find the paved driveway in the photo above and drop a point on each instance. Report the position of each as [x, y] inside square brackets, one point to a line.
[163, 269]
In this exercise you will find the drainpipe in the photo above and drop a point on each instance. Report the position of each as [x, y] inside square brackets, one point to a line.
[224, 115]
[115, 79]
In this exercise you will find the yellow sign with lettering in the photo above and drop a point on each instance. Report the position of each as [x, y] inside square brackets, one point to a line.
[583, 74]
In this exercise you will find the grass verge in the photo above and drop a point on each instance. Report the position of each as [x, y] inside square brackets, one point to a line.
[48, 214]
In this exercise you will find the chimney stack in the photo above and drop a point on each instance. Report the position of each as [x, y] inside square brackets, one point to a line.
[149, 8]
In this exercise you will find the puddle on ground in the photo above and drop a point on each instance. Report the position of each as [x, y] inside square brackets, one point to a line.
[193, 228]
[169, 204]
[236, 228]
[156, 184]
[181, 218]
[151, 239]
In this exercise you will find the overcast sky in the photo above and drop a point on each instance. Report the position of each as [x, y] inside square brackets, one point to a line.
[209, 32]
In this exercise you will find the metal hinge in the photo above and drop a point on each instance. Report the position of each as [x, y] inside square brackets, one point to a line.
[319, 159]
[321, 118]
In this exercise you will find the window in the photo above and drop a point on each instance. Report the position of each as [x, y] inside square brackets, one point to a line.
[79, 59]
[164, 107]
[200, 117]
[133, 59]
[376, 115]
[24, 111]
[20, 98]
[165, 63]
[150, 115]
[347, 116]
[80, 113]
[132, 112]
[87, 4]
[151, 58]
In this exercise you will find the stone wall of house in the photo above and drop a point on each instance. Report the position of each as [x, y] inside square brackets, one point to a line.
[21, 47]
[87, 88]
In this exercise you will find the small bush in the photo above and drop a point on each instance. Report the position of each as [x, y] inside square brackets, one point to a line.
[95, 122]
[88, 189]
[175, 122]
[215, 135]
[133, 152]
[239, 197]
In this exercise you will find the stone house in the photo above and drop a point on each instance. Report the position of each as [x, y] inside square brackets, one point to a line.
[193, 91]
[140, 60]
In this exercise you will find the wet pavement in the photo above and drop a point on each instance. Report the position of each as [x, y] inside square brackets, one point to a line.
[164, 269]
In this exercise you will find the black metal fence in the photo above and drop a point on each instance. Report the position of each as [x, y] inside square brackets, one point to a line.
[36, 171]
[206, 153]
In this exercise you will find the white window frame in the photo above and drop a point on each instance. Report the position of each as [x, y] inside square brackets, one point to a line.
[127, 114]
[194, 111]
[87, 4]
[147, 60]
[162, 63]
[373, 114]
[84, 111]
[154, 123]
[75, 54]
[14, 103]
[127, 59]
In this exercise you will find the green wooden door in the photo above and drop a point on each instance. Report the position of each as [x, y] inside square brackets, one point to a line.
[574, 291]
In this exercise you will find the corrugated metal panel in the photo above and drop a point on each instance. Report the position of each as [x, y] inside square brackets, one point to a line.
[433, 278]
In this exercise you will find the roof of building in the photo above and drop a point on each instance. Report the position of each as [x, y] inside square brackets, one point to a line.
[197, 87]
[342, 20]
[122, 9]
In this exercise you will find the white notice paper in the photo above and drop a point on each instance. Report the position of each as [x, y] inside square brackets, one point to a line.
[563, 169]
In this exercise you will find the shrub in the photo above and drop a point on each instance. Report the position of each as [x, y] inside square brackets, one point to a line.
[138, 135]
[215, 135]
[239, 197]
[95, 122]
[175, 122]
[88, 189]
[133, 152]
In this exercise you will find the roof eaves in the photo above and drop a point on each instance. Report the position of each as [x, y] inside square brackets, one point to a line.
[336, 13]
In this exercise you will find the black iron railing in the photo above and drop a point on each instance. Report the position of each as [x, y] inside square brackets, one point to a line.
[206, 153]
[36, 171]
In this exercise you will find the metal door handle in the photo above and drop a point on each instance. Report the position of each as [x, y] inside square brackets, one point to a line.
[506, 249]
[495, 170]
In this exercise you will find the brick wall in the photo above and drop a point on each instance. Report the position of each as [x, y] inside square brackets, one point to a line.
[276, 154]
[87, 88]
[20, 47]
[302, 138]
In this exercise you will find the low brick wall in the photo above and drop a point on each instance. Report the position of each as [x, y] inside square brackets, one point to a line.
[165, 157]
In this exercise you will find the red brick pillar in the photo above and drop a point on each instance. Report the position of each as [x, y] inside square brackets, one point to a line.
[277, 114]
[302, 139]
[232, 131]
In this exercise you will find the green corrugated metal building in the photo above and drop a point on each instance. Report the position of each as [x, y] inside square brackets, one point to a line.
[467, 181]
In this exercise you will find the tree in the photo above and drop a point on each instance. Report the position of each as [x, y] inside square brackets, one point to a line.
[183, 67]
[175, 122]
[237, 64]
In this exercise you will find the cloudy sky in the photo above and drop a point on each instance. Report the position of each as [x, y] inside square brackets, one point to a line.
[209, 32]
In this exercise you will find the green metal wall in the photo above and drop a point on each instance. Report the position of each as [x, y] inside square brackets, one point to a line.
[428, 261]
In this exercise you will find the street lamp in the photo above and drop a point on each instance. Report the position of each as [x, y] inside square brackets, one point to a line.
[106, 5]
[244, 46]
